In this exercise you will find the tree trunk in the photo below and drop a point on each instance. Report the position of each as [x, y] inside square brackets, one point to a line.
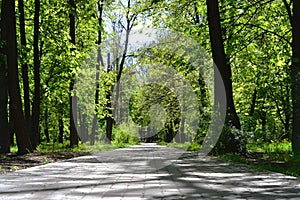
[221, 62]
[73, 99]
[287, 114]
[4, 126]
[24, 63]
[99, 62]
[61, 130]
[73, 117]
[46, 130]
[84, 136]
[9, 35]
[295, 78]
[253, 102]
[109, 119]
[11, 126]
[35, 135]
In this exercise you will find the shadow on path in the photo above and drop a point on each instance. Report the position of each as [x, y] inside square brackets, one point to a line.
[146, 172]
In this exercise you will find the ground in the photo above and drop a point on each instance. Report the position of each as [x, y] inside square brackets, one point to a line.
[13, 162]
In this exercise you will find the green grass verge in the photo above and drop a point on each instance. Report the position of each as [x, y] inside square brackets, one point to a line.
[86, 147]
[82, 147]
[185, 146]
[274, 156]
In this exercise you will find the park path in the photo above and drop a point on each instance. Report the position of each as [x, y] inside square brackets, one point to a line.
[146, 171]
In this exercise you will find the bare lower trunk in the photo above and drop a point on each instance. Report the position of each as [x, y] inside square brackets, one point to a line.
[35, 133]
[4, 131]
[109, 119]
[295, 78]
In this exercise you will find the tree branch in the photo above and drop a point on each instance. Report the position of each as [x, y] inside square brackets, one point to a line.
[289, 11]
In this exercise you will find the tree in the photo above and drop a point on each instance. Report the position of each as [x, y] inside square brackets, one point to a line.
[222, 64]
[35, 135]
[73, 99]
[24, 64]
[295, 74]
[100, 5]
[123, 19]
[9, 36]
[109, 119]
[4, 132]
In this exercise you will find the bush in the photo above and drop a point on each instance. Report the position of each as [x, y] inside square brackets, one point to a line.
[125, 133]
[232, 140]
[194, 147]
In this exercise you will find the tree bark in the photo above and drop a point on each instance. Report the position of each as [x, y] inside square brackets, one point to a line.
[9, 35]
[35, 135]
[83, 128]
[46, 130]
[109, 119]
[73, 99]
[221, 62]
[61, 130]
[24, 63]
[295, 78]
[4, 126]
[99, 62]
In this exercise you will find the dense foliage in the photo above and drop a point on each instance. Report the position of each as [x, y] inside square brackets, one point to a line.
[61, 62]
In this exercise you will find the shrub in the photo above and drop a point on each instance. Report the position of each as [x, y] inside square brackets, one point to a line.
[125, 133]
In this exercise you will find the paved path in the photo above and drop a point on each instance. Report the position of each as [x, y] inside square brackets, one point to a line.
[146, 172]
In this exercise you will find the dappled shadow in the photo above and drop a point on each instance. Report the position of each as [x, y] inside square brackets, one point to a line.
[135, 173]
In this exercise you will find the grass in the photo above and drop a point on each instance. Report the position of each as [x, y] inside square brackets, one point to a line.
[14, 149]
[185, 146]
[274, 156]
[86, 147]
[65, 147]
[275, 150]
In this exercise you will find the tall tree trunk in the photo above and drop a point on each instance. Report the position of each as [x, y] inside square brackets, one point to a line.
[221, 62]
[83, 128]
[295, 78]
[109, 119]
[9, 35]
[4, 126]
[61, 130]
[35, 134]
[287, 113]
[46, 130]
[11, 126]
[99, 62]
[129, 24]
[24, 63]
[253, 102]
[73, 99]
